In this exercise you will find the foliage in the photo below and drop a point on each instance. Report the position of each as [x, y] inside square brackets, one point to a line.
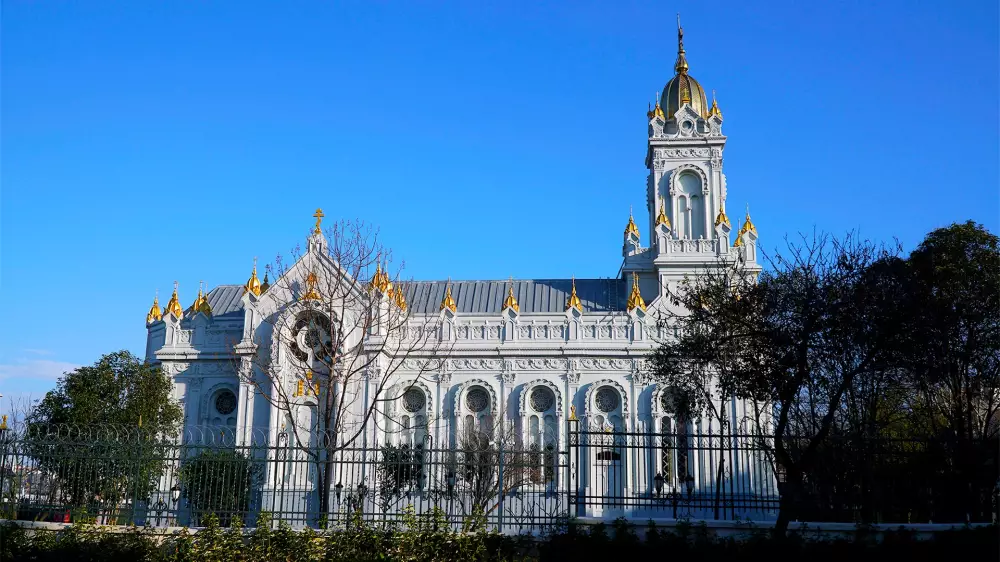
[220, 482]
[851, 359]
[425, 540]
[123, 395]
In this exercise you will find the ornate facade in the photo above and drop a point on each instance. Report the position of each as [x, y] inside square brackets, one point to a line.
[535, 352]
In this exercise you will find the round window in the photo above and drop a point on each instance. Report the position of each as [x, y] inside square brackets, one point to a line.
[606, 399]
[542, 399]
[225, 402]
[477, 399]
[414, 400]
[687, 125]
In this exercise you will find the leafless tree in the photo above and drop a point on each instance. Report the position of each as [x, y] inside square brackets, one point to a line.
[333, 335]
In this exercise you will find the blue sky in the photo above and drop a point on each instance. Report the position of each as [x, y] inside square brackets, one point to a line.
[147, 142]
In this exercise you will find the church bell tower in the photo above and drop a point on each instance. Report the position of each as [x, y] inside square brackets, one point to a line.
[686, 188]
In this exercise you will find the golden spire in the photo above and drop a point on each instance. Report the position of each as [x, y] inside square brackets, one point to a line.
[631, 228]
[201, 303]
[748, 225]
[574, 301]
[377, 278]
[253, 284]
[739, 236]
[662, 217]
[154, 313]
[721, 218]
[657, 111]
[311, 281]
[399, 298]
[319, 219]
[510, 301]
[448, 302]
[635, 298]
[715, 107]
[174, 305]
[681, 67]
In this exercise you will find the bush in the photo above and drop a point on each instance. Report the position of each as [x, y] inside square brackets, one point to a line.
[425, 538]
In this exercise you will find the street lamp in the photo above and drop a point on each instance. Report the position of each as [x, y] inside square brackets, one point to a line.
[658, 484]
[337, 490]
[175, 493]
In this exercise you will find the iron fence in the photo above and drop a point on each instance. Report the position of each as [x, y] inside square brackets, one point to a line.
[128, 476]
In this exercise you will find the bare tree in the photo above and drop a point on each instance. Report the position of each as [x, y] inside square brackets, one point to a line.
[335, 329]
[791, 343]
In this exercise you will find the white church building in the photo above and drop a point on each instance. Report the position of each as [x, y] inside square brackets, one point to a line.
[536, 353]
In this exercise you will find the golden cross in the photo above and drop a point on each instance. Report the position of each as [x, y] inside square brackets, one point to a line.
[319, 218]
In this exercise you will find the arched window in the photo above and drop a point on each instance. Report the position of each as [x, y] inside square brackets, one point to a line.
[691, 206]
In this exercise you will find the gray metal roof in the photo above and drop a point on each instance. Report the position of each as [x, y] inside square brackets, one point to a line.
[225, 299]
[533, 295]
[479, 297]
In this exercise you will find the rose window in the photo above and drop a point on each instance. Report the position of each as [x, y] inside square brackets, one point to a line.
[606, 399]
[414, 400]
[477, 399]
[667, 401]
[542, 399]
[225, 402]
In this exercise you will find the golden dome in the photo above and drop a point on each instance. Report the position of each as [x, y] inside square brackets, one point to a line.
[448, 302]
[635, 298]
[715, 111]
[510, 301]
[174, 305]
[631, 228]
[201, 303]
[574, 301]
[253, 284]
[662, 217]
[683, 88]
[748, 226]
[400, 298]
[721, 218]
[154, 313]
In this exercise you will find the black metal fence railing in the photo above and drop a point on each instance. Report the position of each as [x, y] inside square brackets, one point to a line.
[127, 476]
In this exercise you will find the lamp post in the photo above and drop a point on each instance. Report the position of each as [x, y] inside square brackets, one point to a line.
[450, 482]
[689, 486]
[337, 491]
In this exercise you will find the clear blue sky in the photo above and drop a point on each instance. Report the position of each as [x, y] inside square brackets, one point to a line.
[144, 142]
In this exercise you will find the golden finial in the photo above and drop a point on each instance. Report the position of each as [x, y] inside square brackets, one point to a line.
[649, 112]
[662, 217]
[399, 298]
[721, 218]
[299, 388]
[154, 311]
[319, 219]
[574, 301]
[681, 67]
[377, 278]
[265, 285]
[739, 236]
[448, 302]
[311, 281]
[631, 228]
[635, 298]
[253, 284]
[510, 301]
[3, 421]
[658, 111]
[715, 107]
[196, 306]
[174, 305]
[201, 303]
[748, 226]
[572, 413]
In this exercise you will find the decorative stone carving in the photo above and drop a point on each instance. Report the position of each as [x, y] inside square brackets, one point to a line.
[477, 399]
[536, 397]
